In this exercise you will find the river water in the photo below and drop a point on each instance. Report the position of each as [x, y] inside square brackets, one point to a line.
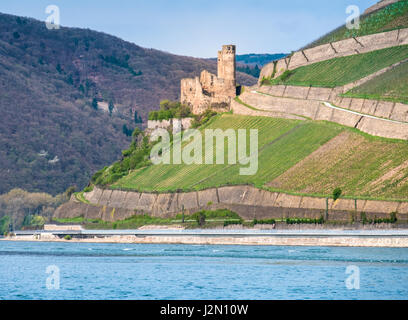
[144, 271]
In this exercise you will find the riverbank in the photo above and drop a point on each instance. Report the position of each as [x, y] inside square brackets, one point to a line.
[340, 238]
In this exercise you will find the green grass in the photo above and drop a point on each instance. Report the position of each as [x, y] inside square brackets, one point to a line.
[133, 222]
[282, 143]
[76, 220]
[362, 166]
[389, 86]
[80, 197]
[390, 18]
[343, 70]
[4, 224]
[213, 218]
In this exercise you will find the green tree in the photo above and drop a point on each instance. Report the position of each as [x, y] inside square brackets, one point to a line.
[136, 132]
[111, 107]
[94, 104]
[200, 218]
[336, 193]
[4, 224]
[70, 191]
[128, 132]
[138, 119]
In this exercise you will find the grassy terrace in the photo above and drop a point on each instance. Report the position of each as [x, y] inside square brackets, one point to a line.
[343, 70]
[361, 165]
[390, 18]
[390, 86]
[214, 218]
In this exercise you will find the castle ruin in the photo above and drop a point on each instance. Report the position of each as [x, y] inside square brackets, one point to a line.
[211, 91]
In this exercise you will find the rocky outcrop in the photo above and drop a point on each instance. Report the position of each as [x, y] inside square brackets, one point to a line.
[249, 202]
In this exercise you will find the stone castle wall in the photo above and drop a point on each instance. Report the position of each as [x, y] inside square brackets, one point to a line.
[337, 49]
[249, 202]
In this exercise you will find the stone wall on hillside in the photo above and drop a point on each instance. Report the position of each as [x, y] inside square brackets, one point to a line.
[337, 49]
[316, 110]
[382, 109]
[239, 108]
[249, 202]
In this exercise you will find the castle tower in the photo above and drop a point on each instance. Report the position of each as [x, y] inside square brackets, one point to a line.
[210, 90]
[227, 64]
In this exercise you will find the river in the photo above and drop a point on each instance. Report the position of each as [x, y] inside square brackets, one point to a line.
[158, 271]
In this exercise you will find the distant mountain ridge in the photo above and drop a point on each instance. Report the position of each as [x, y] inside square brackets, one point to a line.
[259, 59]
[252, 63]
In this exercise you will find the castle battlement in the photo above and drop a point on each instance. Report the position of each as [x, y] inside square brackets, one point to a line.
[209, 90]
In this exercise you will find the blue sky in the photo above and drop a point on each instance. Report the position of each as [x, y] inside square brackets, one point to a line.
[199, 27]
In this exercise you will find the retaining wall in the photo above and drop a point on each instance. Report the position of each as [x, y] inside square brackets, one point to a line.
[337, 49]
[383, 109]
[238, 108]
[249, 202]
[316, 110]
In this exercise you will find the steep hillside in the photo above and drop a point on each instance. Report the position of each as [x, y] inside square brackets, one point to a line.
[99, 65]
[394, 16]
[312, 140]
[390, 86]
[343, 70]
[306, 157]
[359, 165]
[51, 136]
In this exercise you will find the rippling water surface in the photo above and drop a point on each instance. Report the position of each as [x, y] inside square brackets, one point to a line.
[142, 271]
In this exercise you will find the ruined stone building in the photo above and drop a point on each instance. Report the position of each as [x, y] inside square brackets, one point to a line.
[209, 90]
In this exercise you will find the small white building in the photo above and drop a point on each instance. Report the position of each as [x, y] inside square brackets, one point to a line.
[176, 125]
[54, 227]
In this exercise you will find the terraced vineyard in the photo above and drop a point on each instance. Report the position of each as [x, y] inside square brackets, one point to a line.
[282, 143]
[394, 16]
[391, 86]
[340, 71]
[304, 157]
[359, 165]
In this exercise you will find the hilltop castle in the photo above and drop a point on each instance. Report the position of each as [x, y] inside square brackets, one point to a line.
[209, 90]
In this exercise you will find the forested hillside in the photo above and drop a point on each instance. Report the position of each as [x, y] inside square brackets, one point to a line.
[55, 90]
